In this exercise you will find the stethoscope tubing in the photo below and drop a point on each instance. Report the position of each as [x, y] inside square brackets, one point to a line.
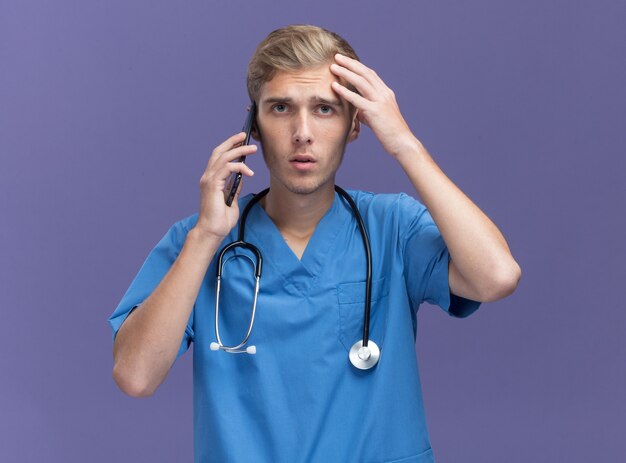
[360, 355]
[368, 257]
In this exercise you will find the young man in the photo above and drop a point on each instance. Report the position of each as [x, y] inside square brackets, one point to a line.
[299, 399]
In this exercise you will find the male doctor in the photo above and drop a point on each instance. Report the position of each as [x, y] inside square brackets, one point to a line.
[299, 399]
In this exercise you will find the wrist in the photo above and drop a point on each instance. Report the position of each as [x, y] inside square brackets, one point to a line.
[411, 150]
[404, 145]
[204, 238]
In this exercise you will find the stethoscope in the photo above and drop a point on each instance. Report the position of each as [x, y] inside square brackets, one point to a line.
[364, 354]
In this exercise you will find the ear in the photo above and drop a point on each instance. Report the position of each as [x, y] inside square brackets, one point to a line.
[254, 133]
[355, 128]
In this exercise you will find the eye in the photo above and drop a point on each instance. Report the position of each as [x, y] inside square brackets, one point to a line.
[279, 108]
[325, 109]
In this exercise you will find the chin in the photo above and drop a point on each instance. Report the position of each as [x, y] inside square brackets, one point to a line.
[304, 188]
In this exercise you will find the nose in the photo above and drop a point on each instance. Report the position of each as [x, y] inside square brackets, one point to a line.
[302, 134]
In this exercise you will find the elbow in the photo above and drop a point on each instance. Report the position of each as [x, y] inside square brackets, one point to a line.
[132, 384]
[132, 375]
[504, 285]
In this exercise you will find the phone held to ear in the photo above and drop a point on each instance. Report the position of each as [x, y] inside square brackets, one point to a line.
[235, 178]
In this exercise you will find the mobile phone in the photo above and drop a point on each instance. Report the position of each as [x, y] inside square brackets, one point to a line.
[235, 178]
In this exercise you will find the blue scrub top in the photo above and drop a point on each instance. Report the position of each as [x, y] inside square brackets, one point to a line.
[299, 399]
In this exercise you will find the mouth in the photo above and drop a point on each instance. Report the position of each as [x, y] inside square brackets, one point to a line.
[302, 158]
[302, 162]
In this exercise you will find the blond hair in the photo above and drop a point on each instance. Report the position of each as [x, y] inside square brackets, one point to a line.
[291, 48]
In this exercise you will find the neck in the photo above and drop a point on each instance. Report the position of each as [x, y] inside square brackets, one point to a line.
[297, 214]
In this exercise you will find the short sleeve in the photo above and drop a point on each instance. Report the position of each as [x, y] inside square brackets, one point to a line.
[426, 261]
[154, 268]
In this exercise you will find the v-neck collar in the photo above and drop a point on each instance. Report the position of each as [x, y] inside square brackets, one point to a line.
[303, 273]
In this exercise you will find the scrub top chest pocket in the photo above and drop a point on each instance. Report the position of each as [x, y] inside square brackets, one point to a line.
[351, 307]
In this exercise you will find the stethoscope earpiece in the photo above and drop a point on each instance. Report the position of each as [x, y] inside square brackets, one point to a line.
[232, 350]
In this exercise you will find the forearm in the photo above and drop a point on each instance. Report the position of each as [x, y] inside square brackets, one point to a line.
[476, 246]
[148, 341]
[478, 250]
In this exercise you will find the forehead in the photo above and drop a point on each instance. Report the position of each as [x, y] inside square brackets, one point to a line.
[301, 84]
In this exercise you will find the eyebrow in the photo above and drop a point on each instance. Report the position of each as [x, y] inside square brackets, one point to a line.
[316, 99]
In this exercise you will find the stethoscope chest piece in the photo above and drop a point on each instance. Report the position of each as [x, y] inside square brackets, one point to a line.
[364, 357]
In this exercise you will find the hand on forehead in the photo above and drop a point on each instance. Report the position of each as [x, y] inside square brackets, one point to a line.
[310, 84]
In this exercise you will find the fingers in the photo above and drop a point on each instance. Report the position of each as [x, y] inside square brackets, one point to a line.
[352, 97]
[230, 142]
[215, 178]
[237, 152]
[227, 165]
[229, 150]
[362, 85]
[373, 94]
[359, 68]
[370, 87]
[233, 167]
[222, 162]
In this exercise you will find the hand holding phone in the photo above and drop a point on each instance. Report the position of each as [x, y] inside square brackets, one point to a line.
[235, 179]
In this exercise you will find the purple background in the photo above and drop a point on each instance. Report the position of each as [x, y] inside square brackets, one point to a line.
[109, 111]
